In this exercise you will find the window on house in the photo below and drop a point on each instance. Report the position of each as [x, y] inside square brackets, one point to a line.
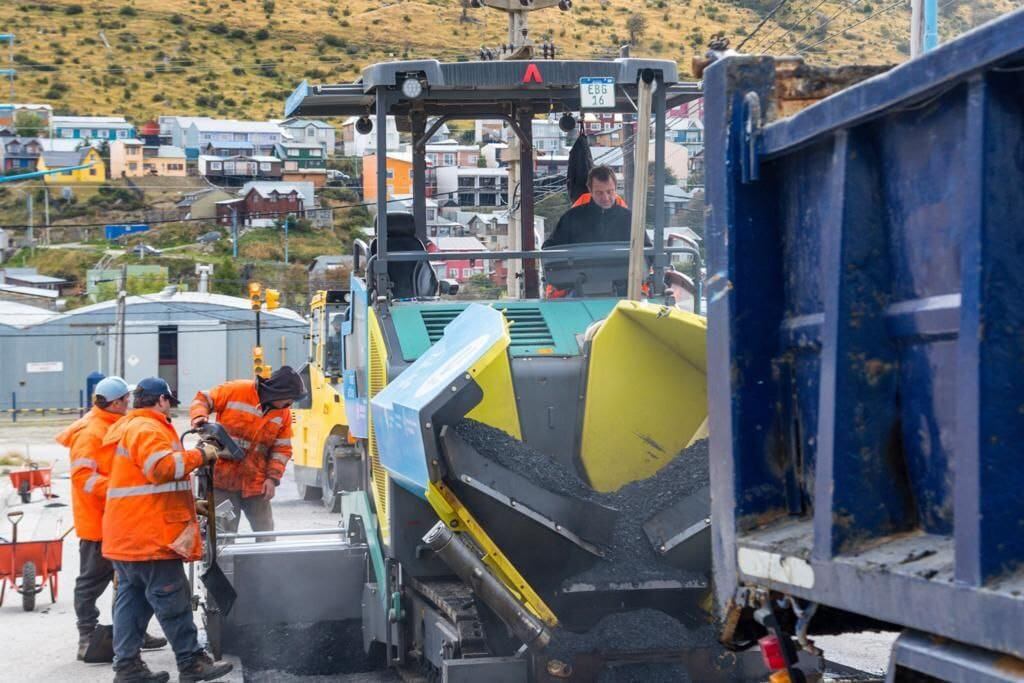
[488, 182]
[314, 153]
[467, 199]
[293, 152]
[92, 171]
[264, 166]
[65, 133]
[216, 166]
[391, 174]
[467, 272]
[132, 166]
[289, 166]
[310, 132]
[449, 159]
[467, 181]
[488, 199]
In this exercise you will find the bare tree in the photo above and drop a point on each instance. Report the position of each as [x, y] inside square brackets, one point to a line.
[636, 24]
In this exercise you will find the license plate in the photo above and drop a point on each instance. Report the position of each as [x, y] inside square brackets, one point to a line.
[597, 93]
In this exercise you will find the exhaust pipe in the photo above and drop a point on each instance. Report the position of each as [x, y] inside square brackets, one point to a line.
[463, 560]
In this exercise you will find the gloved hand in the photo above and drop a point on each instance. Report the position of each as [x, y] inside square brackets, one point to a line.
[199, 420]
[202, 509]
[210, 451]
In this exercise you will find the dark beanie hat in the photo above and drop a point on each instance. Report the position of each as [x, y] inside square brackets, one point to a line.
[284, 385]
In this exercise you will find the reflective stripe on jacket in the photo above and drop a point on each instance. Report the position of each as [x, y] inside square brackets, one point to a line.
[151, 512]
[266, 439]
[90, 467]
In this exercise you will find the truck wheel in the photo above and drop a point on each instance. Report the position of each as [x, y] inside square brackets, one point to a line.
[342, 471]
[28, 587]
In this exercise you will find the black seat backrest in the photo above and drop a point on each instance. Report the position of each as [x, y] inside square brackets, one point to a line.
[408, 278]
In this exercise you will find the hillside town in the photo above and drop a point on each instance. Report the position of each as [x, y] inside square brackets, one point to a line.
[549, 341]
[244, 175]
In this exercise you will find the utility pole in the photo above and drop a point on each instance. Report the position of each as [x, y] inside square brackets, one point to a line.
[924, 26]
[287, 222]
[234, 232]
[122, 295]
[10, 72]
[637, 262]
[46, 204]
[31, 224]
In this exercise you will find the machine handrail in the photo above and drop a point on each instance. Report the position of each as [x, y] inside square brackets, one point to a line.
[541, 255]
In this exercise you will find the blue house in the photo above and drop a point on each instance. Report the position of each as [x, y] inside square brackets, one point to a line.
[92, 128]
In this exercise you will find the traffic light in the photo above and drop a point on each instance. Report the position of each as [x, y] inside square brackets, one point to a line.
[273, 299]
[259, 367]
[254, 295]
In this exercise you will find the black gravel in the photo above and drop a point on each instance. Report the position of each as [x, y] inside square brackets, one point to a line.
[644, 673]
[631, 556]
[515, 455]
[644, 629]
[320, 649]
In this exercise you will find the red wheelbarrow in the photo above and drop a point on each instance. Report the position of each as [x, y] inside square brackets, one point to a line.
[35, 477]
[36, 563]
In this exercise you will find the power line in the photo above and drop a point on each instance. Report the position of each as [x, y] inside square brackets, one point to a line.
[821, 27]
[853, 25]
[760, 24]
[796, 23]
[27, 331]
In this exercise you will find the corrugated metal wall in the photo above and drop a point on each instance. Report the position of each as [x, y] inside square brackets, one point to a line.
[45, 365]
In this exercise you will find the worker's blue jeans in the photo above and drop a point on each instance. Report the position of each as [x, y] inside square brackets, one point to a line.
[147, 588]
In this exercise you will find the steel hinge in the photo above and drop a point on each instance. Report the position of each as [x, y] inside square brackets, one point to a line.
[751, 141]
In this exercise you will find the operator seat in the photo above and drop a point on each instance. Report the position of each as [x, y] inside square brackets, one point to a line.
[409, 279]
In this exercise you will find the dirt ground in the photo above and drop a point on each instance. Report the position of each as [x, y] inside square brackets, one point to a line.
[41, 645]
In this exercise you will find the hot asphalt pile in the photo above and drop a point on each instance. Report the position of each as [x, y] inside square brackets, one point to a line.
[631, 557]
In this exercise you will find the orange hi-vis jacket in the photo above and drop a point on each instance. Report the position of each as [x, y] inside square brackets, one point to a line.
[90, 466]
[266, 438]
[151, 512]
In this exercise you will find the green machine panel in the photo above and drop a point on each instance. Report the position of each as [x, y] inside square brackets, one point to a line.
[539, 328]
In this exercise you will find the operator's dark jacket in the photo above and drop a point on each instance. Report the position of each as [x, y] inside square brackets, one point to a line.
[588, 222]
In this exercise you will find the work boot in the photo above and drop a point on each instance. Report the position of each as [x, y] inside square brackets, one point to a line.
[136, 671]
[152, 642]
[203, 668]
[83, 644]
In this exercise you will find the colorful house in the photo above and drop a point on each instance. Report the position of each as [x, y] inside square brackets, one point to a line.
[96, 173]
[19, 154]
[134, 159]
[92, 128]
[310, 130]
[300, 155]
[399, 168]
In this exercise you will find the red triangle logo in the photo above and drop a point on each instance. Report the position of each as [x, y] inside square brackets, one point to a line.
[532, 75]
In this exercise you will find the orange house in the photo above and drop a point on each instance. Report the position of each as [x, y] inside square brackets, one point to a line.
[399, 176]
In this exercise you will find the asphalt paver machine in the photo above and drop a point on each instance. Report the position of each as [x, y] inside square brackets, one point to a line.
[498, 436]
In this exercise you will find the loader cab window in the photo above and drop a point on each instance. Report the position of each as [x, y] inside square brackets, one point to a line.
[315, 321]
[333, 342]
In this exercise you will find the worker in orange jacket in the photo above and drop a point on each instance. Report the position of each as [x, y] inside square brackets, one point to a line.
[90, 468]
[149, 530]
[257, 415]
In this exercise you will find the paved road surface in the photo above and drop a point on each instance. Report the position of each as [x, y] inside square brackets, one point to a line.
[41, 645]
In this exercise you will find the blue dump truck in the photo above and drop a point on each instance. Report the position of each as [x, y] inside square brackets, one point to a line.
[866, 354]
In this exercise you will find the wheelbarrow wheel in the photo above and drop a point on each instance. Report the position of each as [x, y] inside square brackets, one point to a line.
[28, 587]
[24, 492]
